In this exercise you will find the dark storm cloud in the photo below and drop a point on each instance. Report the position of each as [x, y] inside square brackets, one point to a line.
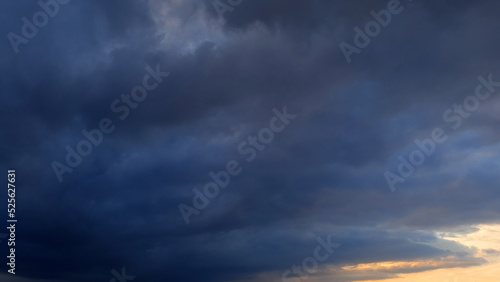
[323, 175]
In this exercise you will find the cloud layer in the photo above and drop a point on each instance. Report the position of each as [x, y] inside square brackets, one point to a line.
[323, 175]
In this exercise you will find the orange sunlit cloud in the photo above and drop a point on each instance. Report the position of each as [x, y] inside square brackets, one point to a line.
[486, 240]
[483, 266]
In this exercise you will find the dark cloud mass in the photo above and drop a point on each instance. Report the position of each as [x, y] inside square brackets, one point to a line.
[322, 175]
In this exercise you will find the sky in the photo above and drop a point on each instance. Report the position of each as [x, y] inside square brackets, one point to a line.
[251, 140]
